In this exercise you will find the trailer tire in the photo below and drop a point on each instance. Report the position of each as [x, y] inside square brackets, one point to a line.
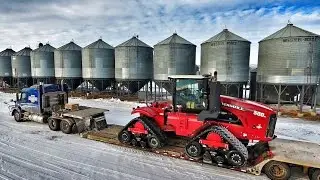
[277, 170]
[315, 174]
[17, 116]
[54, 124]
[65, 127]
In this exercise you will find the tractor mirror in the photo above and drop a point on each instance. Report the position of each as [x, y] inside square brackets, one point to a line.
[17, 96]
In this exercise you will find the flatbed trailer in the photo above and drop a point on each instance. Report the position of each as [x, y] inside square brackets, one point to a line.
[285, 154]
[82, 119]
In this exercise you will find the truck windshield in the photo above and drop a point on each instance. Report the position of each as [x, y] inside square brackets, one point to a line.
[189, 94]
[23, 97]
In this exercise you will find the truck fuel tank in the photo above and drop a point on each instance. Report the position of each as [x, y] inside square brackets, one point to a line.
[36, 118]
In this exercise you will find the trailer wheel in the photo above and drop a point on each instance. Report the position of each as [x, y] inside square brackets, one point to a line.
[277, 170]
[315, 174]
[65, 127]
[17, 116]
[194, 149]
[54, 124]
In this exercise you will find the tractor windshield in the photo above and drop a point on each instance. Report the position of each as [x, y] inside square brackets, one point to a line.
[189, 94]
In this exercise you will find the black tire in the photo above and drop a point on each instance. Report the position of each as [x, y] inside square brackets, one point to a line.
[125, 137]
[235, 158]
[277, 170]
[65, 127]
[54, 124]
[310, 172]
[154, 142]
[17, 116]
[194, 150]
[315, 175]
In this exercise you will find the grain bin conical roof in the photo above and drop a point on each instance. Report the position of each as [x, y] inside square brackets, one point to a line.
[23, 52]
[225, 35]
[45, 48]
[7, 52]
[71, 46]
[174, 39]
[99, 44]
[290, 31]
[134, 41]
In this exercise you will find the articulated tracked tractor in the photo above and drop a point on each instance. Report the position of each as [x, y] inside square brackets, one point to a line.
[219, 127]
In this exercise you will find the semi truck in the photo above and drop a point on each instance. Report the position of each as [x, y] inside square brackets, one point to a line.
[48, 103]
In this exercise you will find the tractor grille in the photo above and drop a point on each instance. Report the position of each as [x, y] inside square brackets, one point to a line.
[272, 125]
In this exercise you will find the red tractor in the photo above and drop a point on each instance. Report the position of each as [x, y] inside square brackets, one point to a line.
[220, 125]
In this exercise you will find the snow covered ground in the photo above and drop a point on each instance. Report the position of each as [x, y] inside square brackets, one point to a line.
[31, 151]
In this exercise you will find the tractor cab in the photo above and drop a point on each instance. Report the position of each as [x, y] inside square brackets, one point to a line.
[188, 93]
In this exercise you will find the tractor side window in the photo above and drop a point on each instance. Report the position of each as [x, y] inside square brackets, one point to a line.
[189, 94]
[23, 97]
[229, 117]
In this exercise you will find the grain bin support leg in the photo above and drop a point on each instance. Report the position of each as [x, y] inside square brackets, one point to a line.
[301, 98]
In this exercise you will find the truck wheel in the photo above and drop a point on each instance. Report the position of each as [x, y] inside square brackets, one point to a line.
[315, 175]
[17, 116]
[65, 127]
[194, 149]
[277, 170]
[54, 124]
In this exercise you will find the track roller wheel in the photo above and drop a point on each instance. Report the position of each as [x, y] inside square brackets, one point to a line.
[125, 137]
[315, 174]
[235, 158]
[65, 127]
[154, 142]
[194, 149]
[277, 170]
[54, 124]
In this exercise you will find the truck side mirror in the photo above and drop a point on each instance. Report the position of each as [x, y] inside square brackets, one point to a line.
[17, 96]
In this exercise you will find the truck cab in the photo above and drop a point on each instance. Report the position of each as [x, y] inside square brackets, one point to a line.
[38, 100]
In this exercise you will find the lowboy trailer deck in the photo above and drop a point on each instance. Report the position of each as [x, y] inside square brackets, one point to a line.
[286, 154]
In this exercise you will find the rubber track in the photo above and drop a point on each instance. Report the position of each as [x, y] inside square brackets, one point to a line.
[150, 126]
[228, 136]
[156, 129]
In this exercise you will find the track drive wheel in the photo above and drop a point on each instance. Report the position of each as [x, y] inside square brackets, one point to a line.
[65, 127]
[125, 137]
[54, 124]
[154, 142]
[315, 174]
[17, 116]
[235, 158]
[194, 150]
[277, 170]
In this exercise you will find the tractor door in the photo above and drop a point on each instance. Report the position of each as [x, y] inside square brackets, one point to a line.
[189, 95]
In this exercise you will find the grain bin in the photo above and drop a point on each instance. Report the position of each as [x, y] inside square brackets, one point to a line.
[98, 64]
[42, 64]
[229, 55]
[133, 64]
[68, 64]
[21, 67]
[173, 56]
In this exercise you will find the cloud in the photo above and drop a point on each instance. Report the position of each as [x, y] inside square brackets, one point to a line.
[26, 23]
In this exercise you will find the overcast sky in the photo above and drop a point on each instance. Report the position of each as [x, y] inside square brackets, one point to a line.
[28, 22]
